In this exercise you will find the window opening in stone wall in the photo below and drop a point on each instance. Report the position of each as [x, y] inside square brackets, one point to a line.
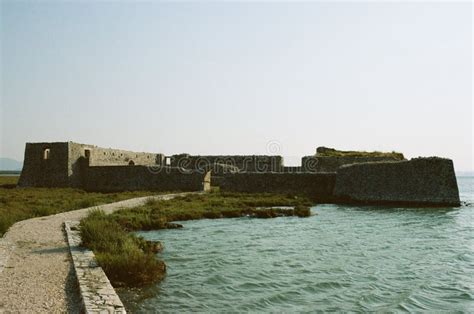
[46, 154]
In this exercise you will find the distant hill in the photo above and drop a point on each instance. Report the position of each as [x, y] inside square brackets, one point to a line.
[9, 164]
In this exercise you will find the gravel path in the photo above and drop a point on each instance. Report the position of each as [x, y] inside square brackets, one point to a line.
[36, 274]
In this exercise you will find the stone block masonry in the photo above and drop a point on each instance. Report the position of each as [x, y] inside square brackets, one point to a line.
[45, 165]
[61, 164]
[245, 163]
[364, 177]
[317, 186]
[331, 164]
[39, 276]
[419, 181]
[125, 178]
[69, 164]
[98, 295]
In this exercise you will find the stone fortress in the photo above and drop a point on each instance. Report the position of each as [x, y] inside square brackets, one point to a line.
[329, 176]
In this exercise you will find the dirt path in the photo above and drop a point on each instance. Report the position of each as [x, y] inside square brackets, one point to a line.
[36, 274]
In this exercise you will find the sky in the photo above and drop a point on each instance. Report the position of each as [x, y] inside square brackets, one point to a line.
[239, 77]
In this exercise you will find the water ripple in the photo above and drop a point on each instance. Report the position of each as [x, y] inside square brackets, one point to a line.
[343, 259]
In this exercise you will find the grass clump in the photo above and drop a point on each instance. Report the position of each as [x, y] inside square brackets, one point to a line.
[8, 182]
[129, 260]
[23, 203]
[331, 152]
[158, 214]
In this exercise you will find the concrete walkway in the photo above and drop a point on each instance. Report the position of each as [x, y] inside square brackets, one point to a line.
[36, 273]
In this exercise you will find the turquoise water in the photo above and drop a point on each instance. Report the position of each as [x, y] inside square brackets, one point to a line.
[341, 258]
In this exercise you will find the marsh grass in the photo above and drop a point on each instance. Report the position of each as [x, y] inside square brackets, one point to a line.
[129, 260]
[156, 214]
[126, 259]
[23, 203]
[341, 153]
[8, 182]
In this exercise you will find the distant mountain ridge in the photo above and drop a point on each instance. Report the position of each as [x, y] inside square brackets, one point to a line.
[8, 164]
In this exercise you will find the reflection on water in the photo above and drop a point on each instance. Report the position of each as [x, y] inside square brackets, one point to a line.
[341, 258]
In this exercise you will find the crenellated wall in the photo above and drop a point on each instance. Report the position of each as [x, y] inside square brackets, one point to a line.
[245, 163]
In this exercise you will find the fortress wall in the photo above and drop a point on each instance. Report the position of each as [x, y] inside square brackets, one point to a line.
[420, 181]
[318, 186]
[331, 164]
[292, 169]
[77, 160]
[39, 171]
[116, 157]
[130, 178]
[99, 156]
[248, 163]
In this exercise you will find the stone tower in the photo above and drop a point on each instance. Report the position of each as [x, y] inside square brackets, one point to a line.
[61, 164]
[52, 164]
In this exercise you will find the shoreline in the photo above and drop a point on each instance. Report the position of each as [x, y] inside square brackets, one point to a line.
[27, 256]
[39, 275]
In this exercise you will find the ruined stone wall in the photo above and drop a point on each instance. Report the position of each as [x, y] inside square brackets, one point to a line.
[99, 156]
[246, 163]
[292, 169]
[77, 161]
[66, 161]
[45, 165]
[331, 164]
[81, 155]
[131, 178]
[115, 157]
[318, 186]
[420, 181]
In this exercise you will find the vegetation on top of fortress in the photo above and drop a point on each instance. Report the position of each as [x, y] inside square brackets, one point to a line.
[331, 152]
[23, 203]
[129, 260]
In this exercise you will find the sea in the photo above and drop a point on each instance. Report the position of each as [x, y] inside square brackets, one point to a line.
[342, 258]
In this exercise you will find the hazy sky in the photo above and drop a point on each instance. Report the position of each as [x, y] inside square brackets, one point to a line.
[229, 78]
